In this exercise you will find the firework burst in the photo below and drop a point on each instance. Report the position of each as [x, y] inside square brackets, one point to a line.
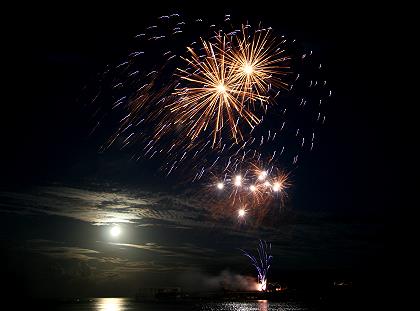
[222, 85]
[251, 192]
[211, 95]
[260, 65]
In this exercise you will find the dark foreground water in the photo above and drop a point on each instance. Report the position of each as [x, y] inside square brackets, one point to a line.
[126, 304]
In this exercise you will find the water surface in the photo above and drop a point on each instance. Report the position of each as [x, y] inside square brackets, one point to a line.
[127, 304]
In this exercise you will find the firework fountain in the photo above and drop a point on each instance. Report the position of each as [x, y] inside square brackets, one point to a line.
[262, 263]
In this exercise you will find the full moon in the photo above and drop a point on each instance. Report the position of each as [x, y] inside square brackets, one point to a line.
[115, 231]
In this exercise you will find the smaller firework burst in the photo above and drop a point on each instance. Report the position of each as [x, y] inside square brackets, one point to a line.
[252, 190]
[262, 263]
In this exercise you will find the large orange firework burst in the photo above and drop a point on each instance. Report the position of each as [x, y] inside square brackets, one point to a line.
[211, 94]
[221, 86]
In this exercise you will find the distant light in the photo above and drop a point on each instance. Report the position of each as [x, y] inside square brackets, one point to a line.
[115, 231]
[238, 180]
[220, 185]
[262, 175]
[252, 188]
[241, 212]
[267, 184]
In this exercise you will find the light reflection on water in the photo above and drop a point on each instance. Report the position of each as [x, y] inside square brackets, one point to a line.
[262, 305]
[127, 304]
[259, 305]
[110, 304]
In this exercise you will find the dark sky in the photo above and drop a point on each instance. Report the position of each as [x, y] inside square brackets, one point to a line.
[58, 194]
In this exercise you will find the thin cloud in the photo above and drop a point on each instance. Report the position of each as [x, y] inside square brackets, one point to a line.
[184, 250]
[101, 261]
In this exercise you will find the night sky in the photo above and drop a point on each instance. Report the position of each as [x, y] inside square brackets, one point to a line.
[59, 195]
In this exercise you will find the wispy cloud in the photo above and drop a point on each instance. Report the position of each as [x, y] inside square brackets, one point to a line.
[182, 223]
[99, 207]
[99, 260]
[148, 246]
[183, 250]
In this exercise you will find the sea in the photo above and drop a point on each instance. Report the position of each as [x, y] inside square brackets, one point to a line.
[128, 304]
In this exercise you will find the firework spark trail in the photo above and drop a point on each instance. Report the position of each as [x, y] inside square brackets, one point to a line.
[262, 263]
